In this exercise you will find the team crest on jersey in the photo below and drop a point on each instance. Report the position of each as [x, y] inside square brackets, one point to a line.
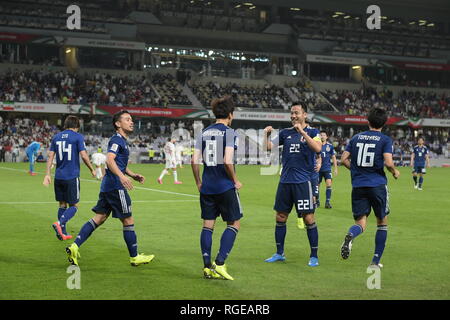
[289, 137]
[328, 148]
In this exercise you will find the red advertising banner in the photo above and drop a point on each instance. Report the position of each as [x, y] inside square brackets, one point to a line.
[422, 65]
[349, 119]
[155, 112]
[16, 37]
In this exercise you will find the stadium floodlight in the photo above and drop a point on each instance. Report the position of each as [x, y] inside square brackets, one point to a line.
[248, 4]
[253, 7]
[356, 67]
[412, 22]
[346, 17]
[238, 6]
[68, 50]
[296, 9]
[294, 72]
[430, 25]
[210, 53]
[340, 13]
[335, 15]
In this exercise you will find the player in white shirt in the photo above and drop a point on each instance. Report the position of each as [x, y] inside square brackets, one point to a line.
[178, 154]
[169, 152]
[99, 160]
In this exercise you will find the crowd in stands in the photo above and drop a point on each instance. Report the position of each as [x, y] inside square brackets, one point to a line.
[17, 133]
[63, 87]
[244, 96]
[407, 104]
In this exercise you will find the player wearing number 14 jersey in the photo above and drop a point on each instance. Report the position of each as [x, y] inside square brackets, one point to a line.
[67, 146]
[366, 155]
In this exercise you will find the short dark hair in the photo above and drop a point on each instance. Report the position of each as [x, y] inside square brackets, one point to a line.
[222, 107]
[117, 116]
[323, 131]
[377, 118]
[72, 122]
[420, 138]
[301, 104]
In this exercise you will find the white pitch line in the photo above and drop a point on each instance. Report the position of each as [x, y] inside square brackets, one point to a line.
[52, 202]
[139, 188]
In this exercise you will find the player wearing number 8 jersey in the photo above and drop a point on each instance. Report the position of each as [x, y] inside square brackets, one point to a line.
[300, 145]
[218, 187]
[366, 155]
[67, 147]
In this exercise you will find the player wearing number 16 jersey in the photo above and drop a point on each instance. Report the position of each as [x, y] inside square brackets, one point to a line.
[218, 187]
[67, 147]
[366, 155]
[300, 145]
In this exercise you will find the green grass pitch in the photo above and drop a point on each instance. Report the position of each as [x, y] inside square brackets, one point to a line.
[33, 263]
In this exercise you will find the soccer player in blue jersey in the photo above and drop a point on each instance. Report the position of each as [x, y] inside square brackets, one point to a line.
[419, 162]
[67, 146]
[328, 154]
[218, 186]
[113, 195]
[32, 151]
[300, 145]
[365, 156]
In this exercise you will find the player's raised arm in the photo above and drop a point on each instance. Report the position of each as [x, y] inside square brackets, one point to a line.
[314, 143]
[112, 166]
[48, 178]
[267, 144]
[389, 164]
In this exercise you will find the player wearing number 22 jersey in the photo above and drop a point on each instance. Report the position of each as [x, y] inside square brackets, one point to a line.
[300, 145]
[366, 155]
[67, 147]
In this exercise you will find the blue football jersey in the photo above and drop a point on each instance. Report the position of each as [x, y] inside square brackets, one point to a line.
[117, 145]
[367, 161]
[33, 148]
[297, 157]
[419, 155]
[67, 146]
[212, 143]
[326, 154]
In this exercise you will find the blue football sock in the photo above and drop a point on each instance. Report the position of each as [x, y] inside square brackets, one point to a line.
[355, 230]
[226, 244]
[131, 240]
[205, 245]
[313, 237]
[280, 235]
[328, 193]
[85, 232]
[60, 213]
[415, 180]
[380, 242]
[420, 182]
[66, 216]
[31, 167]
